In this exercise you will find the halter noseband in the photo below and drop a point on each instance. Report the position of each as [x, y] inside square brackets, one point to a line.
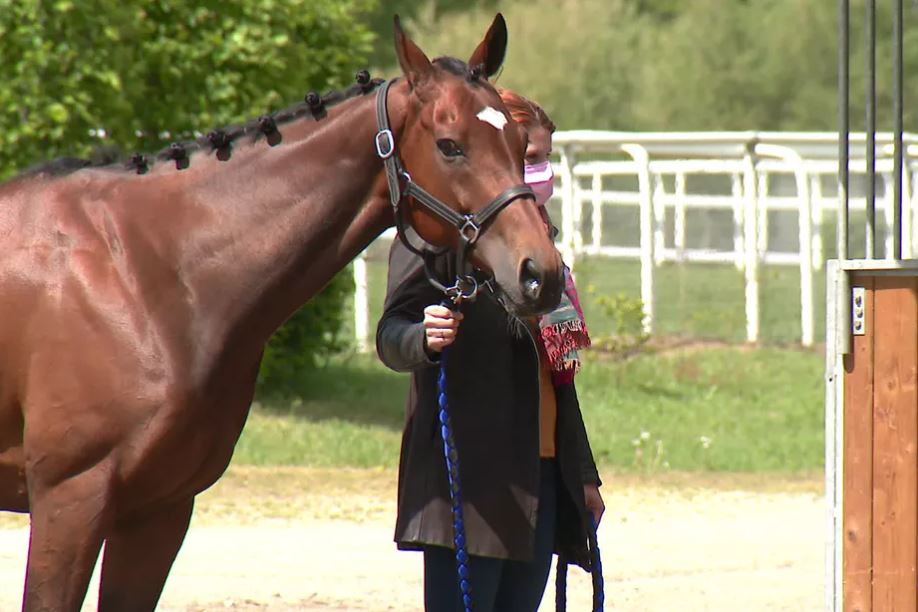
[469, 226]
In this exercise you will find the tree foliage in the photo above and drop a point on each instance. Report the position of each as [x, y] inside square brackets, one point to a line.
[140, 73]
[379, 20]
[312, 333]
[146, 71]
[664, 65]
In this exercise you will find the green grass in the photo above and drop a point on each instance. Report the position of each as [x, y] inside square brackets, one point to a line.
[761, 410]
[758, 410]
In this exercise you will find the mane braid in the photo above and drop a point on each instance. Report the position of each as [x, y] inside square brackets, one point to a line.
[220, 139]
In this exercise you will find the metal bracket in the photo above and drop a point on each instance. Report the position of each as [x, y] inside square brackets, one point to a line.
[858, 308]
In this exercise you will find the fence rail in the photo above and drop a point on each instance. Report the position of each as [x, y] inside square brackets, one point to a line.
[664, 176]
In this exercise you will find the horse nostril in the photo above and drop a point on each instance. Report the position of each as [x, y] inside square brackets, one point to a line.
[531, 280]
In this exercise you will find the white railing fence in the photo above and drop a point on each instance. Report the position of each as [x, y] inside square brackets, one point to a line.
[670, 174]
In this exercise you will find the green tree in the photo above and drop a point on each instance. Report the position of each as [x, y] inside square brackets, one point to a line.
[144, 72]
[661, 65]
[379, 20]
[310, 334]
[766, 66]
[576, 58]
[147, 71]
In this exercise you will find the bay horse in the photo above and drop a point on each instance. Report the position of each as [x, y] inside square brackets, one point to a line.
[137, 300]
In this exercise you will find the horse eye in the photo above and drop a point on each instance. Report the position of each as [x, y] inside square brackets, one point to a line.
[449, 148]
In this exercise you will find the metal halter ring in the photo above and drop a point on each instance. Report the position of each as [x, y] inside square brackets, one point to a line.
[466, 288]
[470, 230]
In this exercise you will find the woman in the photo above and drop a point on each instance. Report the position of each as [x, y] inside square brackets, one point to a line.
[528, 475]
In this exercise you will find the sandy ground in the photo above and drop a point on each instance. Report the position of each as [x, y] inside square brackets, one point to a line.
[321, 540]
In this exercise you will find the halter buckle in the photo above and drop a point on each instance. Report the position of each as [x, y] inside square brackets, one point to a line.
[385, 143]
[470, 230]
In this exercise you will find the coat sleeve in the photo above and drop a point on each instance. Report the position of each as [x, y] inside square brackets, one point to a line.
[588, 470]
[400, 332]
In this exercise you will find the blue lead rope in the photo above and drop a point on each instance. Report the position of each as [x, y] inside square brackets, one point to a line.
[455, 493]
[599, 593]
[599, 597]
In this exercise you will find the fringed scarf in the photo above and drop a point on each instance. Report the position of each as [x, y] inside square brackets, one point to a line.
[563, 330]
[564, 333]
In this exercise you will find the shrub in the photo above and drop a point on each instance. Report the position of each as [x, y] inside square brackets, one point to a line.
[309, 336]
[626, 315]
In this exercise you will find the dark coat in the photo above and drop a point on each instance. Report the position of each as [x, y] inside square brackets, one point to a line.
[493, 395]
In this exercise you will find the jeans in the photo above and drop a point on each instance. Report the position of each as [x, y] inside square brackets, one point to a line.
[498, 585]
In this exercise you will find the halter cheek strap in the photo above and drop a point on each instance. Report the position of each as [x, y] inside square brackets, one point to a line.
[468, 226]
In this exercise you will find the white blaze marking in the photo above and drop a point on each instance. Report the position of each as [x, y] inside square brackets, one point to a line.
[493, 116]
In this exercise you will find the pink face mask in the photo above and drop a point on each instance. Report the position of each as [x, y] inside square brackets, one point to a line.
[542, 180]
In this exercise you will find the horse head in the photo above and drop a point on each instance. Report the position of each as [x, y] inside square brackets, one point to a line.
[460, 144]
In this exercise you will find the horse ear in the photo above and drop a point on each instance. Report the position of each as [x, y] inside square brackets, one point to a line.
[414, 63]
[490, 52]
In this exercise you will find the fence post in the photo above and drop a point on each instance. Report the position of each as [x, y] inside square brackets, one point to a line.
[659, 218]
[805, 226]
[908, 212]
[750, 182]
[567, 206]
[577, 201]
[816, 199]
[888, 216]
[642, 159]
[361, 304]
[597, 212]
[679, 217]
[807, 322]
[761, 212]
[736, 187]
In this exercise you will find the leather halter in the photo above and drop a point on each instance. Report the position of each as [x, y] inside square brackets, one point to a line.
[469, 226]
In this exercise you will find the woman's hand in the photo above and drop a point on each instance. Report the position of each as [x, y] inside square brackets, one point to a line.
[440, 327]
[593, 500]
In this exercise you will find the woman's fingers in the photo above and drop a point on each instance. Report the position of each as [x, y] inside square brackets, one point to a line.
[439, 342]
[440, 326]
[442, 316]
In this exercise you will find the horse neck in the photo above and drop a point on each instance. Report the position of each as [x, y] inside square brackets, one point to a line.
[280, 222]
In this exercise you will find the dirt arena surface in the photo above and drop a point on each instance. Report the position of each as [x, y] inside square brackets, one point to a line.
[320, 540]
